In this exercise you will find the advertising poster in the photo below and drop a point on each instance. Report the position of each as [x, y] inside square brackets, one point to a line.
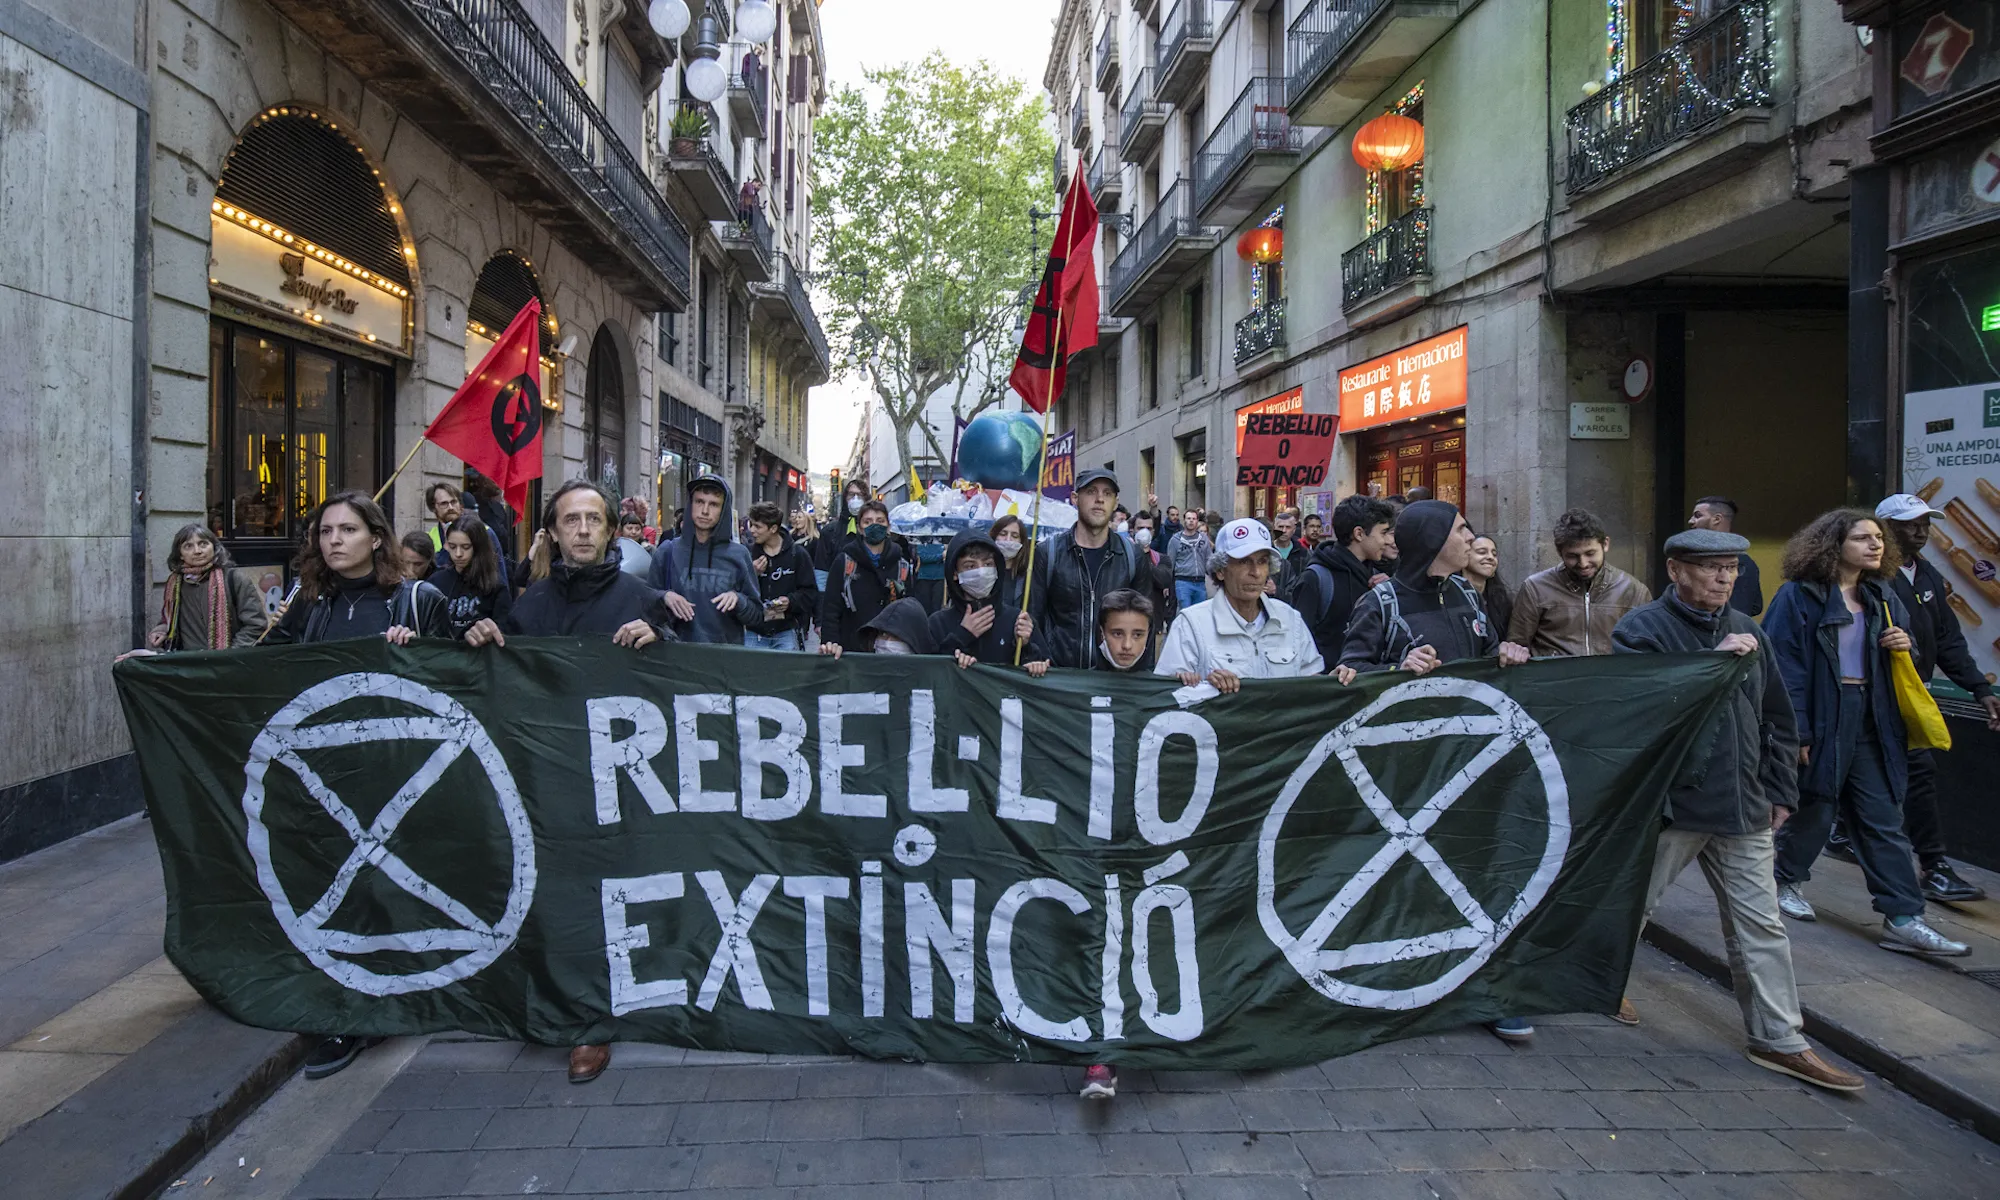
[1059, 480]
[1951, 458]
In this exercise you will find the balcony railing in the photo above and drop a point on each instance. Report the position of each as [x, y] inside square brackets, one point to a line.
[499, 43]
[1186, 19]
[1394, 254]
[1260, 330]
[752, 231]
[1258, 121]
[1106, 176]
[1079, 123]
[1142, 118]
[1317, 36]
[1059, 169]
[1172, 218]
[752, 85]
[1723, 64]
[1107, 52]
[802, 311]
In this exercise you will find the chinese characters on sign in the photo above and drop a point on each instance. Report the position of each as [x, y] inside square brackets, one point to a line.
[1416, 381]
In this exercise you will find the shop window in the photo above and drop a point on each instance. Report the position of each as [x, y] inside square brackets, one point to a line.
[290, 425]
[1953, 311]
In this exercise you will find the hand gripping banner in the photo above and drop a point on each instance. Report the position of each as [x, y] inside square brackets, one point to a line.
[567, 842]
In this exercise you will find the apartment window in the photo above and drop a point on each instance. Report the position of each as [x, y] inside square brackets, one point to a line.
[623, 106]
[703, 341]
[548, 17]
[1197, 129]
[670, 338]
[1196, 326]
[1149, 363]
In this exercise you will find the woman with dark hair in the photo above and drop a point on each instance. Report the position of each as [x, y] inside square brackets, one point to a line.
[416, 556]
[206, 606]
[1011, 536]
[1483, 574]
[1832, 628]
[475, 583]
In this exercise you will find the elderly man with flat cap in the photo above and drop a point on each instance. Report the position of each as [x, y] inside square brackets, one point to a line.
[1740, 783]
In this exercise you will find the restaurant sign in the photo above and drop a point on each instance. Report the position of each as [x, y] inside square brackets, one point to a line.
[1419, 380]
[307, 283]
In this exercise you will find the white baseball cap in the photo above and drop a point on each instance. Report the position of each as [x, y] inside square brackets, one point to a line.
[1904, 507]
[1242, 538]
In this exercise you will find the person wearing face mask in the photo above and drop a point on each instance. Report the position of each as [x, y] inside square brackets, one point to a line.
[1125, 634]
[900, 628]
[870, 573]
[977, 624]
[1160, 585]
[1010, 535]
[841, 524]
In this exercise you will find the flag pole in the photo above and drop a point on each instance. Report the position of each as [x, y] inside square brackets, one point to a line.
[1055, 348]
[383, 490]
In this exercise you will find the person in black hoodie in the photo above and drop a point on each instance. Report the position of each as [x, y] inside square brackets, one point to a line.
[474, 581]
[1426, 615]
[784, 582]
[1338, 573]
[710, 583]
[902, 627]
[976, 624]
[869, 574]
[586, 592]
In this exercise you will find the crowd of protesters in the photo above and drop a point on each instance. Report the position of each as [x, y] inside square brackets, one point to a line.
[1810, 749]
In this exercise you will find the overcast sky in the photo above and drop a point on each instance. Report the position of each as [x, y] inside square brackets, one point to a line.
[861, 34]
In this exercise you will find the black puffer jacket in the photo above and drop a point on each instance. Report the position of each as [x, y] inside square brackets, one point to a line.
[948, 633]
[599, 600]
[1065, 593]
[1327, 614]
[1746, 762]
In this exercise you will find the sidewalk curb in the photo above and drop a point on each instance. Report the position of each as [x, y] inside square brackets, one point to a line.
[1981, 1114]
[154, 1115]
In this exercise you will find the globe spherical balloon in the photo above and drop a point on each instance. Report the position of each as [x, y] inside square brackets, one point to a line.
[1002, 450]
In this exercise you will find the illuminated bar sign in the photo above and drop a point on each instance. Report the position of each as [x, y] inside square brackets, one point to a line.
[253, 261]
[1420, 380]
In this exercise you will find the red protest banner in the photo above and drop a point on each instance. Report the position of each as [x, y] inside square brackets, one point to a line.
[1286, 449]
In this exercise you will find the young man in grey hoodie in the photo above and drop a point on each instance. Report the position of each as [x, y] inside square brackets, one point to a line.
[710, 582]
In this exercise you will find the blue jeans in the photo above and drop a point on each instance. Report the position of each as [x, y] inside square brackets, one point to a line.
[1874, 819]
[788, 640]
[1189, 592]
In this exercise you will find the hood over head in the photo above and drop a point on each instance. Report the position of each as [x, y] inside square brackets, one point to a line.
[725, 525]
[1421, 532]
[971, 537]
[905, 620]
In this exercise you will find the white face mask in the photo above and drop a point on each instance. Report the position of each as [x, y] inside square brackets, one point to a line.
[854, 506]
[884, 644]
[1008, 547]
[1120, 526]
[978, 581]
[1143, 538]
[1113, 659]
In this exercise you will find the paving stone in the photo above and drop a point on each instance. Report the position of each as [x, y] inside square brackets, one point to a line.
[520, 1172]
[1243, 1187]
[1492, 1185]
[1438, 1150]
[526, 1128]
[1630, 1150]
[926, 1159]
[346, 1176]
[424, 1176]
[1536, 1150]
[1554, 1110]
[824, 1118]
[435, 1129]
[1340, 1153]
[1242, 1154]
[1308, 1077]
[1832, 1186]
[1367, 1110]
[1760, 1186]
[1205, 1082]
[854, 1191]
[904, 1117]
[1450, 1071]
[552, 1089]
[1464, 1108]
[1189, 1112]
[1142, 1154]
[634, 1169]
[809, 1164]
[1614, 1074]
[1059, 1155]
[739, 1121]
[1019, 1189]
[408, 1091]
[1623, 1186]
[1687, 1073]
[367, 1129]
[1731, 1110]
[626, 1125]
[847, 1079]
[1844, 1150]
[659, 1085]
[1030, 1078]
[753, 1083]
[489, 1089]
[1738, 1150]
[737, 1165]
[545, 1058]
[1641, 1110]
[1007, 1112]
[465, 1056]
[1283, 1112]
[1530, 1072]
[1372, 1187]
[1367, 1071]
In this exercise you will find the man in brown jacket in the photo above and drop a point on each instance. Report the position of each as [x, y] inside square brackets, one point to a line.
[1568, 611]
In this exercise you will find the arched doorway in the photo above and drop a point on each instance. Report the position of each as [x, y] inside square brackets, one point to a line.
[604, 413]
[309, 280]
[506, 284]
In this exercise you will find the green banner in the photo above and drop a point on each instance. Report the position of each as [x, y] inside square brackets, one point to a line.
[565, 842]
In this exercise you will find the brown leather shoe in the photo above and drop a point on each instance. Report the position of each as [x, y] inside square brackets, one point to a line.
[588, 1062]
[1807, 1066]
[1626, 1014]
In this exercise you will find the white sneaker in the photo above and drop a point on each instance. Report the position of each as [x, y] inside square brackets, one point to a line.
[1793, 904]
[1915, 937]
[1099, 1083]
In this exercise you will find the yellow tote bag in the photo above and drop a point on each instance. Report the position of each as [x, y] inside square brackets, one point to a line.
[1921, 719]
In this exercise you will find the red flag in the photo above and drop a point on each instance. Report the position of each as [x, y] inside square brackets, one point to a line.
[494, 420]
[1064, 318]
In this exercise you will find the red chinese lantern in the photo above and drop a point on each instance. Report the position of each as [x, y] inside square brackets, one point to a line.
[1390, 142]
[1264, 244]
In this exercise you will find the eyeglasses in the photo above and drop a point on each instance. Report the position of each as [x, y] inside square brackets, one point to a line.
[1718, 567]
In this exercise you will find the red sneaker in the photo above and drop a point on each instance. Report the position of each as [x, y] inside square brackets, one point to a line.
[1099, 1083]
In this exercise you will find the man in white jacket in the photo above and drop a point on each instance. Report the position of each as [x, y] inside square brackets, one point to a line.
[1241, 633]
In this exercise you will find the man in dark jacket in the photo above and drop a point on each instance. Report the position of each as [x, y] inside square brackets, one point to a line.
[1077, 568]
[1289, 555]
[710, 583]
[1426, 615]
[785, 583]
[1940, 646]
[1337, 573]
[1719, 513]
[976, 625]
[585, 593]
[1740, 783]
[870, 573]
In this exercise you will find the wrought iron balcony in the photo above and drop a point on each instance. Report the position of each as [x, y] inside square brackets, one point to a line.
[479, 77]
[704, 173]
[748, 241]
[1143, 119]
[1251, 151]
[1059, 169]
[750, 96]
[1260, 331]
[1107, 55]
[1107, 178]
[1393, 255]
[1722, 65]
[1169, 242]
[1180, 59]
[802, 312]
[1340, 54]
[1079, 123]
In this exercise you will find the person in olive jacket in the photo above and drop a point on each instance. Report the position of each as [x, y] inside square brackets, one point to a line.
[1741, 781]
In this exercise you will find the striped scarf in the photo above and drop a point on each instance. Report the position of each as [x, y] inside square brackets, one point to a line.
[217, 592]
